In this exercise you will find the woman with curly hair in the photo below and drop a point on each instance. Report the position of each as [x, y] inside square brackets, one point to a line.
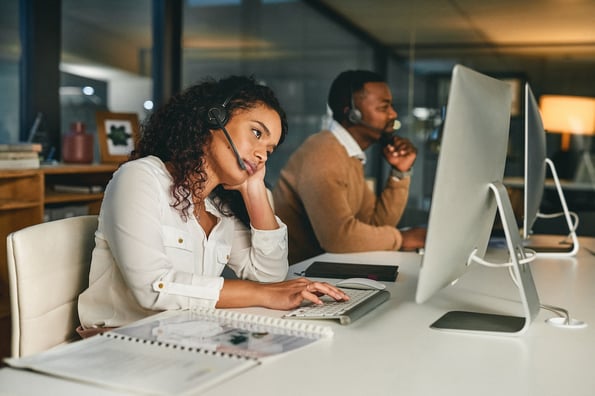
[190, 201]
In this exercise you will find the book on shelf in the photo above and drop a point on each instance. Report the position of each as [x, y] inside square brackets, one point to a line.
[175, 352]
[35, 147]
[78, 189]
[18, 154]
[20, 163]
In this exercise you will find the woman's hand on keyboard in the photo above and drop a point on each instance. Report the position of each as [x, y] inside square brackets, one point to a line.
[290, 294]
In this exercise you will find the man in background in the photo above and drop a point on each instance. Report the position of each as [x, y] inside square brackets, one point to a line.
[322, 195]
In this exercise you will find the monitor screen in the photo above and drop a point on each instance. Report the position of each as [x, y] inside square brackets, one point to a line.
[535, 155]
[472, 155]
[468, 190]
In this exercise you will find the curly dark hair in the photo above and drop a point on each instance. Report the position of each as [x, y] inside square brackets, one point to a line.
[178, 133]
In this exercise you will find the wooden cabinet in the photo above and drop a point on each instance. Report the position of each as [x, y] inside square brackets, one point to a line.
[25, 195]
[83, 175]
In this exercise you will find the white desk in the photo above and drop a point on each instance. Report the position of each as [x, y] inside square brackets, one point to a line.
[393, 351]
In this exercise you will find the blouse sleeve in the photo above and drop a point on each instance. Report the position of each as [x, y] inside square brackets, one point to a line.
[259, 255]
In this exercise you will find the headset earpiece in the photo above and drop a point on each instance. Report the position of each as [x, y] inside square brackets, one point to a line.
[217, 116]
[354, 116]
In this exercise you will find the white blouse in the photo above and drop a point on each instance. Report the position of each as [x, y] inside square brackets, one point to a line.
[148, 259]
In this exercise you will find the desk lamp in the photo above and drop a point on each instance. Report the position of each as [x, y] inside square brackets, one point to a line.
[571, 115]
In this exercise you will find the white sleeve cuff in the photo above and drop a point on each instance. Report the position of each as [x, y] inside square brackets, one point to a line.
[207, 290]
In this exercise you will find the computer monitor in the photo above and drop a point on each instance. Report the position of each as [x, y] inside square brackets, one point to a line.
[468, 191]
[536, 162]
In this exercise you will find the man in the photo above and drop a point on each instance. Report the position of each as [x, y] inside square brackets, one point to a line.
[322, 195]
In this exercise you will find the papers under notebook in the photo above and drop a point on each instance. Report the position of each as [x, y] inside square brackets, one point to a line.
[174, 352]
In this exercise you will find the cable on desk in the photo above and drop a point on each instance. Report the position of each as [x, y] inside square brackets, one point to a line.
[531, 255]
[574, 216]
[563, 318]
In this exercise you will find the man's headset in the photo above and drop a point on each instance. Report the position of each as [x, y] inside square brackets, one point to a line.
[217, 118]
[354, 115]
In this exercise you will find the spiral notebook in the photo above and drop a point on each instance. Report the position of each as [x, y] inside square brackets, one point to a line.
[174, 352]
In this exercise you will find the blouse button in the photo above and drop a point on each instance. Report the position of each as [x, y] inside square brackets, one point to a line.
[180, 240]
[227, 257]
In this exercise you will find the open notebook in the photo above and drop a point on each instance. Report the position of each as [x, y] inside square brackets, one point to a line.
[174, 352]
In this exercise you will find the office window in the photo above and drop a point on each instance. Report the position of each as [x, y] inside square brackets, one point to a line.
[284, 44]
[10, 52]
[105, 61]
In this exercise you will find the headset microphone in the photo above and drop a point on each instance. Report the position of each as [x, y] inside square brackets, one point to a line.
[217, 118]
[233, 147]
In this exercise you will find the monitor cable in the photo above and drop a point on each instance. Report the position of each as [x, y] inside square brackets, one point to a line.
[563, 318]
[572, 230]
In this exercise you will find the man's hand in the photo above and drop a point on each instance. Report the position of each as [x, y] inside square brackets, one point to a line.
[400, 153]
[413, 238]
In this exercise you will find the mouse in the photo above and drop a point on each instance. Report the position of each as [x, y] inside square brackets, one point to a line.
[361, 283]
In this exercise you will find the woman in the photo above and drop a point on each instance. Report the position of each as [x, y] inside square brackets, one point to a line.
[189, 202]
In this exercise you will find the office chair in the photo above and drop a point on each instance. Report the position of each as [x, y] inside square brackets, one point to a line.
[48, 267]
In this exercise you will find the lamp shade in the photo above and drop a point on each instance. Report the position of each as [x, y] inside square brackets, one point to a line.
[568, 114]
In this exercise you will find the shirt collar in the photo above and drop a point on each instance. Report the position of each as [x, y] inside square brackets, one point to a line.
[347, 141]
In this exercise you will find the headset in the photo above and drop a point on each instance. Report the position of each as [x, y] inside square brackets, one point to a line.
[217, 117]
[354, 115]
[218, 114]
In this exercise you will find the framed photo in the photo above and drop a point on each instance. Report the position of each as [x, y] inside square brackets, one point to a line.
[117, 134]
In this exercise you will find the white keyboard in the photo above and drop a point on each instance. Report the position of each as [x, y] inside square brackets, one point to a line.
[360, 303]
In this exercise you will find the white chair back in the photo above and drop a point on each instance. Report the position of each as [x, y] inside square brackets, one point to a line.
[48, 267]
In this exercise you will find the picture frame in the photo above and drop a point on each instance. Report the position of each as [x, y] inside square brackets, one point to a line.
[117, 134]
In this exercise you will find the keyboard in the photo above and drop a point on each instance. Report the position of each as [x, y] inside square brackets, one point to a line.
[361, 302]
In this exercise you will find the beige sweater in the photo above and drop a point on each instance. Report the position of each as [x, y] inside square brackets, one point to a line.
[323, 199]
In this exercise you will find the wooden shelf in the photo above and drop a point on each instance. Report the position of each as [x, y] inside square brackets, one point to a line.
[53, 197]
[78, 169]
[12, 205]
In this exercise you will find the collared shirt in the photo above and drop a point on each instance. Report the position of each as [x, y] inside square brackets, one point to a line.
[347, 141]
[147, 258]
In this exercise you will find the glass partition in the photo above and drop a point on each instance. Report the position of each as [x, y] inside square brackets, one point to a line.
[105, 61]
[10, 52]
[284, 44]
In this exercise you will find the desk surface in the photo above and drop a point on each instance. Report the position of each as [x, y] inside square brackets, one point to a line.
[393, 351]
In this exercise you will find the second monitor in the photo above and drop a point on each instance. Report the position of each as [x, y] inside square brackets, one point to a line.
[535, 165]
